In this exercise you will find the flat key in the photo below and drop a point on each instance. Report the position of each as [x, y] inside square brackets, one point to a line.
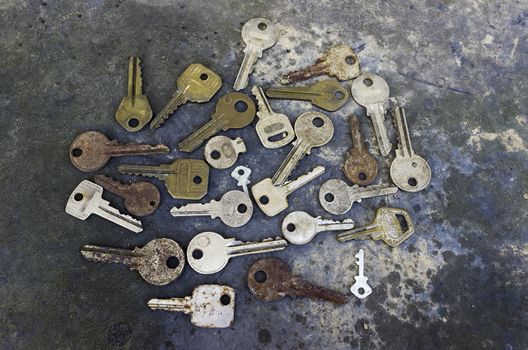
[360, 167]
[233, 111]
[91, 150]
[360, 288]
[313, 129]
[271, 279]
[299, 227]
[159, 262]
[241, 174]
[196, 84]
[221, 152]
[87, 199]
[209, 252]
[258, 34]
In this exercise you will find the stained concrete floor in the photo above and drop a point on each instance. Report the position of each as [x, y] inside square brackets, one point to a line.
[459, 67]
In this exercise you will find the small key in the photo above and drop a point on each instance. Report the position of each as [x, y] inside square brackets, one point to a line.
[372, 92]
[221, 152]
[408, 171]
[196, 84]
[233, 111]
[360, 167]
[241, 174]
[271, 279]
[391, 225]
[258, 34]
[208, 252]
[313, 129]
[273, 199]
[91, 150]
[87, 199]
[327, 94]
[273, 129]
[234, 209]
[299, 227]
[159, 262]
[339, 61]
[360, 288]
[210, 306]
[134, 112]
[337, 197]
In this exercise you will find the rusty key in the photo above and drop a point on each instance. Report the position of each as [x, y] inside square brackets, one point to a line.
[360, 167]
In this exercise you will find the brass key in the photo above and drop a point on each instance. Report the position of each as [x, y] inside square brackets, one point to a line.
[360, 167]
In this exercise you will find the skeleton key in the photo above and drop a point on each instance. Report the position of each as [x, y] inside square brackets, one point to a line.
[233, 111]
[339, 61]
[360, 167]
[299, 227]
[210, 306]
[258, 34]
[196, 84]
[360, 288]
[271, 279]
[221, 152]
[234, 209]
[87, 199]
[208, 252]
[91, 150]
[313, 129]
[159, 262]
[408, 171]
[391, 225]
[241, 174]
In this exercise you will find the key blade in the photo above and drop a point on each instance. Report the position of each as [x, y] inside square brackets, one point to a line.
[303, 179]
[300, 287]
[315, 70]
[299, 150]
[197, 138]
[363, 232]
[110, 213]
[251, 55]
[377, 115]
[238, 248]
[178, 98]
[263, 103]
[159, 171]
[356, 193]
[108, 255]
[184, 305]
[405, 147]
[197, 209]
[117, 149]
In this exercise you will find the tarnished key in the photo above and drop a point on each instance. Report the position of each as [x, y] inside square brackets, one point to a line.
[86, 199]
[372, 92]
[299, 227]
[391, 225]
[234, 209]
[196, 84]
[208, 252]
[273, 199]
[91, 150]
[159, 262]
[273, 129]
[134, 112]
[210, 306]
[221, 152]
[360, 167]
[408, 171]
[141, 198]
[313, 129]
[258, 34]
[271, 279]
[327, 94]
[233, 111]
[339, 61]
[337, 197]
[360, 288]
[184, 178]
[241, 174]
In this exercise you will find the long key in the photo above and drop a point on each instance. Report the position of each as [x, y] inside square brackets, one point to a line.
[241, 174]
[86, 199]
[360, 167]
[196, 84]
[233, 111]
[134, 112]
[273, 199]
[184, 178]
[313, 129]
[221, 152]
[258, 34]
[360, 288]
[210, 305]
[372, 92]
[91, 150]
[391, 225]
[337, 197]
[234, 209]
[299, 227]
[159, 262]
[271, 279]
[408, 171]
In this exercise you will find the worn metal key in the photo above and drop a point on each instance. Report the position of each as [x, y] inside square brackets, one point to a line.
[360, 167]
[221, 152]
[299, 227]
[360, 288]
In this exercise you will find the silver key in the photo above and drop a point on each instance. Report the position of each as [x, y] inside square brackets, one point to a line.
[313, 129]
[337, 197]
[234, 209]
[299, 227]
[360, 288]
[258, 34]
[210, 306]
[408, 171]
[372, 92]
[208, 252]
[221, 152]
[241, 174]
[87, 199]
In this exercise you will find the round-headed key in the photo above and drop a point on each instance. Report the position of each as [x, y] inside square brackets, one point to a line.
[221, 152]
[360, 167]
[299, 227]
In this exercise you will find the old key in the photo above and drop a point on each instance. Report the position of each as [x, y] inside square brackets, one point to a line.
[360, 167]
[299, 227]
[221, 152]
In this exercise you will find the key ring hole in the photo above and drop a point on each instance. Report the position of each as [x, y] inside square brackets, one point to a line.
[350, 60]
[197, 180]
[173, 262]
[152, 203]
[329, 197]
[403, 222]
[361, 291]
[241, 106]
[318, 122]
[197, 254]
[225, 299]
[262, 26]
[242, 208]
[339, 95]
[264, 200]
[367, 82]
[215, 155]
[412, 182]
[260, 276]
[76, 152]
[414, 164]
[241, 172]
[290, 227]
[362, 176]
[204, 76]
[78, 197]
[133, 122]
